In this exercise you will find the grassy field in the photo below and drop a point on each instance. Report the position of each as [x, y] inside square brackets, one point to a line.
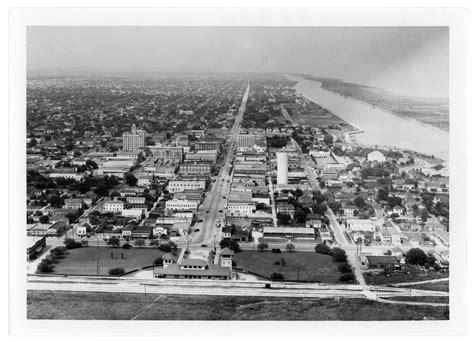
[393, 278]
[423, 299]
[84, 260]
[312, 266]
[119, 306]
[438, 286]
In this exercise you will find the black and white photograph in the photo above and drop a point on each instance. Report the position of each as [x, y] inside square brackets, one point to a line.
[240, 172]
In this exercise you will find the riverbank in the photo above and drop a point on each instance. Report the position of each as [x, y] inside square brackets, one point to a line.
[430, 111]
[376, 126]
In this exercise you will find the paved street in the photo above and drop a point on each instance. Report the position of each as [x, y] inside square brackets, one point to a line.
[212, 210]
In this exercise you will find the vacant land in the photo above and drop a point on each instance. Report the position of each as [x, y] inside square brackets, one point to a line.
[119, 306]
[90, 260]
[421, 299]
[438, 286]
[308, 266]
[400, 277]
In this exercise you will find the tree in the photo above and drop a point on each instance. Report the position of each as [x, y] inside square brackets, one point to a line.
[300, 215]
[322, 248]
[116, 271]
[339, 255]
[344, 267]
[359, 202]
[334, 205]
[113, 241]
[424, 215]
[139, 243]
[277, 276]
[231, 244]
[154, 242]
[72, 244]
[382, 194]
[130, 179]
[44, 219]
[262, 246]
[33, 142]
[347, 277]
[44, 267]
[290, 247]
[283, 218]
[416, 256]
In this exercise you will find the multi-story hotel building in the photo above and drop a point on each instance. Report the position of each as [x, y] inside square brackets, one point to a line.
[133, 140]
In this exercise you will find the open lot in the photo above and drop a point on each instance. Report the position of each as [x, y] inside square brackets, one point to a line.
[120, 306]
[308, 266]
[423, 299]
[84, 260]
[437, 286]
[400, 277]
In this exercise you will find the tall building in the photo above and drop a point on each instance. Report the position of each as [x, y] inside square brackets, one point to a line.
[133, 140]
[282, 168]
[247, 139]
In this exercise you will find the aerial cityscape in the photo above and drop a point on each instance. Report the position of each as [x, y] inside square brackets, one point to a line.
[193, 189]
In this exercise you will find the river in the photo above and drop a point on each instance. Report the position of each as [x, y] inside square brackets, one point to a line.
[379, 127]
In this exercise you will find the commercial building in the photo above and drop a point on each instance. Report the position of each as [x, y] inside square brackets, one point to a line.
[182, 184]
[289, 233]
[117, 168]
[246, 139]
[241, 207]
[113, 206]
[282, 168]
[195, 168]
[209, 155]
[285, 208]
[207, 145]
[179, 204]
[360, 225]
[173, 153]
[73, 203]
[133, 140]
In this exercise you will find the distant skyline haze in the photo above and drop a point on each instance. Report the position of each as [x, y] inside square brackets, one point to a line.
[410, 61]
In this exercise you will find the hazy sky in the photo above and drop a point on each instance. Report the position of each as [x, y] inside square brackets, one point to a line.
[409, 60]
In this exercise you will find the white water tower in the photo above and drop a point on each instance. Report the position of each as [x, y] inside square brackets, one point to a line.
[282, 168]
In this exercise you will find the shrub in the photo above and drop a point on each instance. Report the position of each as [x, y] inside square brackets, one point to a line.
[277, 262]
[346, 277]
[322, 248]
[276, 250]
[277, 276]
[71, 243]
[44, 267]
[290, 247]
[139, 243]
[344, 267]
[127, 246]
[262, 246]
[59, 251]
[339, 255]
[166, 247]
[116, 271]
[158, 261]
